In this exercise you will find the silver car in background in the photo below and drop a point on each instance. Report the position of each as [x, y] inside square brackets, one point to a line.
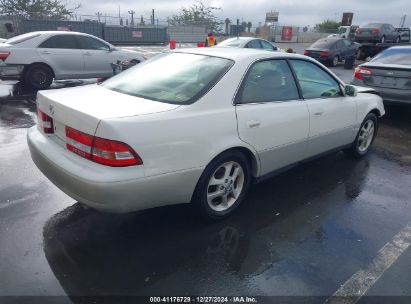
[248, 43]
[389, 73]
[37, 58]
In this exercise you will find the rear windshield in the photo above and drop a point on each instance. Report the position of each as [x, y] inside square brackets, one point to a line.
[400, 56]
[323, 43]
[22, 38]
[372, 25]
[172, 78]
[231, 42]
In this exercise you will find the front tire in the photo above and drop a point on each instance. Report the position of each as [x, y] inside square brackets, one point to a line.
[223, 185]
[365, 137]
[38, 76]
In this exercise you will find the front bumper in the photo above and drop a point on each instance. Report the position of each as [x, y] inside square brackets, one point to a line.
[11, 71]
[102, 188]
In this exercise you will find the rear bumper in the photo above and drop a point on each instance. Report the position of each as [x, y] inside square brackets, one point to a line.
[367, 38]
[11, 71]
[387, 94]
[102, 188]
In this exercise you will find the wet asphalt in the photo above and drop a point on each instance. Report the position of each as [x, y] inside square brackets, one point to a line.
[302, 233]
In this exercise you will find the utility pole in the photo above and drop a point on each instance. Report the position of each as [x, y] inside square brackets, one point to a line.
[152, 17]
[238, 27]
[132, 17]
[402, 22]
[98, 16]
[119, 16]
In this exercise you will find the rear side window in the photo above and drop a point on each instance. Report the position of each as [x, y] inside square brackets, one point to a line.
[314, 81]
[60, 42]
[269, 80]
[89, 43]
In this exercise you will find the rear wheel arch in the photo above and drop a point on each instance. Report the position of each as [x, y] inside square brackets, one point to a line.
[38, 63]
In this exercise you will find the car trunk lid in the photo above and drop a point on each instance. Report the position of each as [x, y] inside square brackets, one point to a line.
[82, 108]
[391, 76]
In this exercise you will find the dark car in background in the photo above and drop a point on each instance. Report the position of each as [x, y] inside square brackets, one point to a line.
[332, 50]
[377, 32]
[389, 73]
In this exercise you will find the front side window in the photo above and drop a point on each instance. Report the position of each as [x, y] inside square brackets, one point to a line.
[254, 44]
[314, 81]
[60, 42]
[176, 78]
[266, 45]
[89, 43]
[269, 80]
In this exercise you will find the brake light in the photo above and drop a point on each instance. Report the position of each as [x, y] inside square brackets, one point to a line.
[324, 54]
[306, 52]
[4, 55]
[44, 122]
[375, 31]
[360, 71]
[103, 151]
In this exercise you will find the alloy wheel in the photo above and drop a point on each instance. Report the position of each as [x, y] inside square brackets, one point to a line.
[225, 186]
[366, 136]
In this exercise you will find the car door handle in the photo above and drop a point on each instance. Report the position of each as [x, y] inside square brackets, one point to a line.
[87, 54]
[45, 52]
[318, 113]
[253, 123]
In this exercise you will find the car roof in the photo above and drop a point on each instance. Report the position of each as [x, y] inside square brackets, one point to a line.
[59, 33]
[239, 53]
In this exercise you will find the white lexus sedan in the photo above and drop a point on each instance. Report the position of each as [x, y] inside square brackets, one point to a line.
[197, 125]
[37, 58]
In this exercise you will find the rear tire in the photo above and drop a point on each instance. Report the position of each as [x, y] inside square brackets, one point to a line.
[223, 185]
[38, 76]
[365, 137]
[334, 61]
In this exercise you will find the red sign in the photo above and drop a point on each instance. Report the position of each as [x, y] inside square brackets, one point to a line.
[287, 33]
[136, 34]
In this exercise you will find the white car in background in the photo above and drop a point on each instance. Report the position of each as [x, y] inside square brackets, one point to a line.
[249, 43]
[2, 40]
[37, 58]
[201, 132]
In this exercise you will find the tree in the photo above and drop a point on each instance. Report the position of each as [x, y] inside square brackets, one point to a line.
[198, 14]
[249, 25]
[327, 26]
[227, 23]
[51, 9]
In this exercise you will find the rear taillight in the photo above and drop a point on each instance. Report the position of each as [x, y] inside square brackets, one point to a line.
[44, 122]
[103, 151]
[324, 54]
[306, 52]
[4, 55]
[360, 72]
[375, 31]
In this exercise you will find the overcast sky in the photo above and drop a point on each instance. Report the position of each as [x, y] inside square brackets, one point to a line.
[292, 12]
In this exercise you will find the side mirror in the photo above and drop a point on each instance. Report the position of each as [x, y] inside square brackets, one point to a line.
[350, 90]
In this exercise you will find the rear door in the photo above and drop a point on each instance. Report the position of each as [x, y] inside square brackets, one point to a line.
[61, 53]
[253, 44]
[270, 115]
[332, 115]
[97, 56]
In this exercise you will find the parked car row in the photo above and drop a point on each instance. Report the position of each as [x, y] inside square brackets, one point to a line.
[37, 58]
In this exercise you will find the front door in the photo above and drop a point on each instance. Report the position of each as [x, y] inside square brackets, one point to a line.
[332, 114]
[97, 57]
[270, 115]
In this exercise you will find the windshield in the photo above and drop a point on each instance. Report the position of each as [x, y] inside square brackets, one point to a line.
[231, 42]
[22, 38]
[400, 56]
[172, 78]
[371, 25]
